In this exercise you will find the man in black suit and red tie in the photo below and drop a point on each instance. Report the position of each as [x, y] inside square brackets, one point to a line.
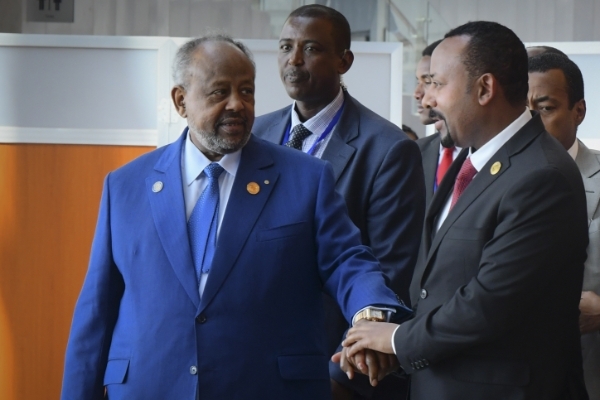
[497, 286]
[437, 150]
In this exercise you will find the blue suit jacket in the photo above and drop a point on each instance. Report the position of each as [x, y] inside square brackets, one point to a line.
[379, 173]
[140, 327]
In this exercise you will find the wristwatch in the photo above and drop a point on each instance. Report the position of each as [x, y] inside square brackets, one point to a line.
[370, 314]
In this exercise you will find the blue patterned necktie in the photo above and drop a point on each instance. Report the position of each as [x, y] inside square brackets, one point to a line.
[203, 223]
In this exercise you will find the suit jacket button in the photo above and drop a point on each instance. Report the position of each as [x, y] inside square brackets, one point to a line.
[201, 319]
[193, 370]
[423, 293]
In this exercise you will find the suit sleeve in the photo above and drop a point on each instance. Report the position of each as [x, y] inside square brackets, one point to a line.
[95, 315]
[538, 223]
[396, 213]
[349, 271]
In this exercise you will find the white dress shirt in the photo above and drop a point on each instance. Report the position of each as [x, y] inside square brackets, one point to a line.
[194, 182]
[573, 150]
[318, 124]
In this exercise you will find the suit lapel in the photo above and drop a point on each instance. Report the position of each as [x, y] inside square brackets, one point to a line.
[589, 166]
[243, 210]
[430, 164]
[480, 183]
[435, 207]
[439, 198]
[482, 180]
[275, 132]
[168, 211]
[338, 152]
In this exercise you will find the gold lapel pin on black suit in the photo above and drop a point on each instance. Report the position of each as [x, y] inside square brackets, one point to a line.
[495, 168]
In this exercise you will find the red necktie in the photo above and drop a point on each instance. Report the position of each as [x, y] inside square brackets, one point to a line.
[444, 164]
[464, 177]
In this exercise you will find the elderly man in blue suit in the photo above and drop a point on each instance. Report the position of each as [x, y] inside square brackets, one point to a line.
[211, 255]
[377, 168]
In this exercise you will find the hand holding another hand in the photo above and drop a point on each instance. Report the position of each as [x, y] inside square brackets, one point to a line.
[368, 350]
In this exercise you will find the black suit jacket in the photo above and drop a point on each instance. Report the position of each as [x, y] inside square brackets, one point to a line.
[379, 173]
[497, 288]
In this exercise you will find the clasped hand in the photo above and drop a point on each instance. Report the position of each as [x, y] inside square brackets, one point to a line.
[589, 319]
[368, 350]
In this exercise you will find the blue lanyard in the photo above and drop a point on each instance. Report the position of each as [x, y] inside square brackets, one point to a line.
[326, 132]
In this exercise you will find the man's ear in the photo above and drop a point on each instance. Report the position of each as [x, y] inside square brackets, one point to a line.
[487, 88]
[178, 97]
[346, 61]
[580, 109]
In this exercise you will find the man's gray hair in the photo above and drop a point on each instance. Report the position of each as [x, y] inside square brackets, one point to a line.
[183, 58]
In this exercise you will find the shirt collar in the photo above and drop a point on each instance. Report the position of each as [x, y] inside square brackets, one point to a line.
[487, 151]
[319, 122]
[574, 149]
[194, 161]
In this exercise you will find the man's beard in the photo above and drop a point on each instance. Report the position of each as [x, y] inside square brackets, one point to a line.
[215, 143]
[446, 140]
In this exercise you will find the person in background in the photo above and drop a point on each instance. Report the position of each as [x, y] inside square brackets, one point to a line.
[377, 168]
[438, 150]
[537, 50]
[556, 91]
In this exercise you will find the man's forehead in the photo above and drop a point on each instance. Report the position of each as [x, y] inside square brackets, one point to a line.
[213, 59]
[298, 27]
[423, 66]
[551, 80]
[212, 48]
[448, 52]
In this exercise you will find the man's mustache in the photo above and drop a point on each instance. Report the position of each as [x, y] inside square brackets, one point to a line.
[435, 115]
[296, 74]
[230, 117]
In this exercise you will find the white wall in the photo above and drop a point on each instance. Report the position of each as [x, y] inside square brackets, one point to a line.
[116, 90]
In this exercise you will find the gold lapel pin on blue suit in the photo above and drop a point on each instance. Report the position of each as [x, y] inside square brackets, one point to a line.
[495, 168]
[157, 187]
[253, 188]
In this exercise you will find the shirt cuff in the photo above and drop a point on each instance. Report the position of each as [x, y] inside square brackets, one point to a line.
[387, 311]
[393, 341]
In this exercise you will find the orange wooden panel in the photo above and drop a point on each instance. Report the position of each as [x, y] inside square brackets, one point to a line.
[48, 208]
